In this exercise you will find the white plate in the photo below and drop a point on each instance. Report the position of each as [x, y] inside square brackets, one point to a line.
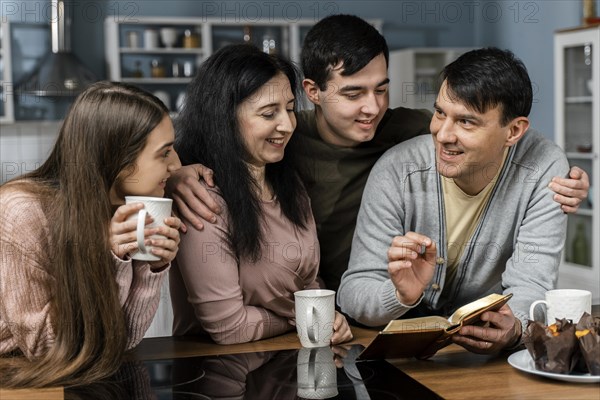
[522, 361]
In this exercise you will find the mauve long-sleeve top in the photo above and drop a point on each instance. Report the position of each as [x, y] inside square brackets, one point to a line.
[237, 302]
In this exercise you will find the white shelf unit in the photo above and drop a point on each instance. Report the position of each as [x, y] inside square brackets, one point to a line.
[414, 74]
[6, 81]
[577, 131]
[133, 64]
[214, 33]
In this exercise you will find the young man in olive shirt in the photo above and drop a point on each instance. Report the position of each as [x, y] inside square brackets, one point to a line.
[344, 60]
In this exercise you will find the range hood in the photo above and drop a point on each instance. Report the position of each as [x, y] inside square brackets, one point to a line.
[60, 72]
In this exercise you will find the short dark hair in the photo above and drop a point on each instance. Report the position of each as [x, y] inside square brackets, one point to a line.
[208, 132]
[485, 78]
[340, 38]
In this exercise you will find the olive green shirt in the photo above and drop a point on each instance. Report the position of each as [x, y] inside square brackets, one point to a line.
[336, 176]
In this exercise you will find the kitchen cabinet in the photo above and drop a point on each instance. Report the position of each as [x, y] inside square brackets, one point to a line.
[27, 45]
[577, 131]
[162, 55]
[414, 75]
[136, 53]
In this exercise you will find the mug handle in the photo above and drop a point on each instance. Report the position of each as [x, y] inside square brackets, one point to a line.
[532, 308]
[310, 312]
[312, 377]
[141, 223]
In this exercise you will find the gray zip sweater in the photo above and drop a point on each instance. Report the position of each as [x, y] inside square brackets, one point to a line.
[515, 248]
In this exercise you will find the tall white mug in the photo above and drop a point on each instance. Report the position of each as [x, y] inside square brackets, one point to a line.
[315, 314]
[158, 208]
[564, 303]
[150, 39]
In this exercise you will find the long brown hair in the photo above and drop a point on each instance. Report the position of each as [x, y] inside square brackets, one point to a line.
[102, 135]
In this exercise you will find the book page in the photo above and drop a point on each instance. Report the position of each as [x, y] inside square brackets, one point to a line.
[417, 324]
[475, 306]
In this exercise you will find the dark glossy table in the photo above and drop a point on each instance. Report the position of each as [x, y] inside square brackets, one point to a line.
[453, 373]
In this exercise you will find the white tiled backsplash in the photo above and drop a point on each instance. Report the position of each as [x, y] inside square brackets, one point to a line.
[24, 146]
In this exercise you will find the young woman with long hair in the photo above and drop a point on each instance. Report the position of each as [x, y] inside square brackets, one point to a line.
[71, 299]
[235, 280]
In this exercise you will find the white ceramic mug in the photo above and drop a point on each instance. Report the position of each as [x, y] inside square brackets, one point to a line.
[564, 303]
[315, 313]
[150, 39]
[158, 208]
[317, 374]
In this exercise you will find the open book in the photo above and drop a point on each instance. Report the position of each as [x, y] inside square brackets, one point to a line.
[422, 337]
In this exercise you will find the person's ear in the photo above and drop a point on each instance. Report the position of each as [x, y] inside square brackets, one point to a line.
[312, 91]
[517, 128]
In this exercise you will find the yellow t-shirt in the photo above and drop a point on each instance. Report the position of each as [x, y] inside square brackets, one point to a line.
[463, 212]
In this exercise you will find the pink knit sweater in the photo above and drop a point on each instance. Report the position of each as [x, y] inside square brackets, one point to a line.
[25, 322]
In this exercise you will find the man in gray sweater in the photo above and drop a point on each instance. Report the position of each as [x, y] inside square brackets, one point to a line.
[470, 214]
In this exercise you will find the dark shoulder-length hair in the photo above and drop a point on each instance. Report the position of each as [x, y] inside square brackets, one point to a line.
[208, 132]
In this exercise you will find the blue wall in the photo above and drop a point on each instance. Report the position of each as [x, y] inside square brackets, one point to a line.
[525, 27]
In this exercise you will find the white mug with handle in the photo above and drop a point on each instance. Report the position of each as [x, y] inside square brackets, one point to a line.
[159, 209]
[315, 314]
[564, 303]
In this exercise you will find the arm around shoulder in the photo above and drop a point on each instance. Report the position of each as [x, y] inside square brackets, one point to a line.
[192, 197]
[533, 266]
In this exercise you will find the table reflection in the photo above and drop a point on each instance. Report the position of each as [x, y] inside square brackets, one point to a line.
[286, 374]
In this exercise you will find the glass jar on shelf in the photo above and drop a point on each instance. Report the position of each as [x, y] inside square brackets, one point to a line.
[247, 34]
[191, 39]
[188, 69]
[157, 70]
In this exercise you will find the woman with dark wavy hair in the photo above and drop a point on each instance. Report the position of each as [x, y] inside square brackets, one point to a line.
[235, 280]
[71, 299]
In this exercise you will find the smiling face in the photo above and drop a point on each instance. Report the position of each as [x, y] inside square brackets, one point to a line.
[153, 166]
[266, 120]
[349, 111]
[470, 145]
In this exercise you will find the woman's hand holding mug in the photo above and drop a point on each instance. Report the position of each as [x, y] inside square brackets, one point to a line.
[144, 229]
[166, 248]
